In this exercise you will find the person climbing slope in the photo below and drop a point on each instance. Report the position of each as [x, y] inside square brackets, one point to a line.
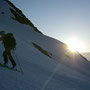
[9, 43]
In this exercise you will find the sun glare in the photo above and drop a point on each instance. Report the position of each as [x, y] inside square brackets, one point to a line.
[75, 45]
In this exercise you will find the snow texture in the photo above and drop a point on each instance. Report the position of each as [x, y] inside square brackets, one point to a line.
[63, 70]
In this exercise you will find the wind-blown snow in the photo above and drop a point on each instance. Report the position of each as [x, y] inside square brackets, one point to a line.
[63, 71]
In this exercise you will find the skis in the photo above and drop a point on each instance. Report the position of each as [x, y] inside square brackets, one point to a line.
[9, 68]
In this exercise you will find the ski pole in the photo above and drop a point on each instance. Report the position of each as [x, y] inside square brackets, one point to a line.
[18, 62]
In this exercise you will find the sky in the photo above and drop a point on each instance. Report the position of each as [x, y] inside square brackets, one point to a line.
[60, 19]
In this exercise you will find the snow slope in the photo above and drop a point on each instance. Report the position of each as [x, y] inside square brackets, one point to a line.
[87, 55]
[47, 63]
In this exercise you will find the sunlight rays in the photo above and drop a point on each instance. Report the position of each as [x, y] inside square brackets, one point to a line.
[75, 45]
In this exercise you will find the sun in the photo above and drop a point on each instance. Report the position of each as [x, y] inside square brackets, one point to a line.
[75, 45]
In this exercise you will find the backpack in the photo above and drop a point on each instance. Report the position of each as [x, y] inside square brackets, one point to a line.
[9, 41]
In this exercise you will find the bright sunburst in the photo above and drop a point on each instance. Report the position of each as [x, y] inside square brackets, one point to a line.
[76, 45]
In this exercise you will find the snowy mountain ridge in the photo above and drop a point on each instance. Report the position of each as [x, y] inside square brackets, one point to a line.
[46, 62]
[87, 55]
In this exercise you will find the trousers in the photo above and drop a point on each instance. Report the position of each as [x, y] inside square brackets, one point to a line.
[6, 55]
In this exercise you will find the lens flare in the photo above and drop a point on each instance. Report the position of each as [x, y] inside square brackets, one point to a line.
[75, 45]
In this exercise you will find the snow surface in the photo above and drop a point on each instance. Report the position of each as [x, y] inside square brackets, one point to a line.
[63, 71]
[87, 55]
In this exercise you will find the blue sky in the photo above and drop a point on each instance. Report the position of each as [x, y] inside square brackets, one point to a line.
[60, 19]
